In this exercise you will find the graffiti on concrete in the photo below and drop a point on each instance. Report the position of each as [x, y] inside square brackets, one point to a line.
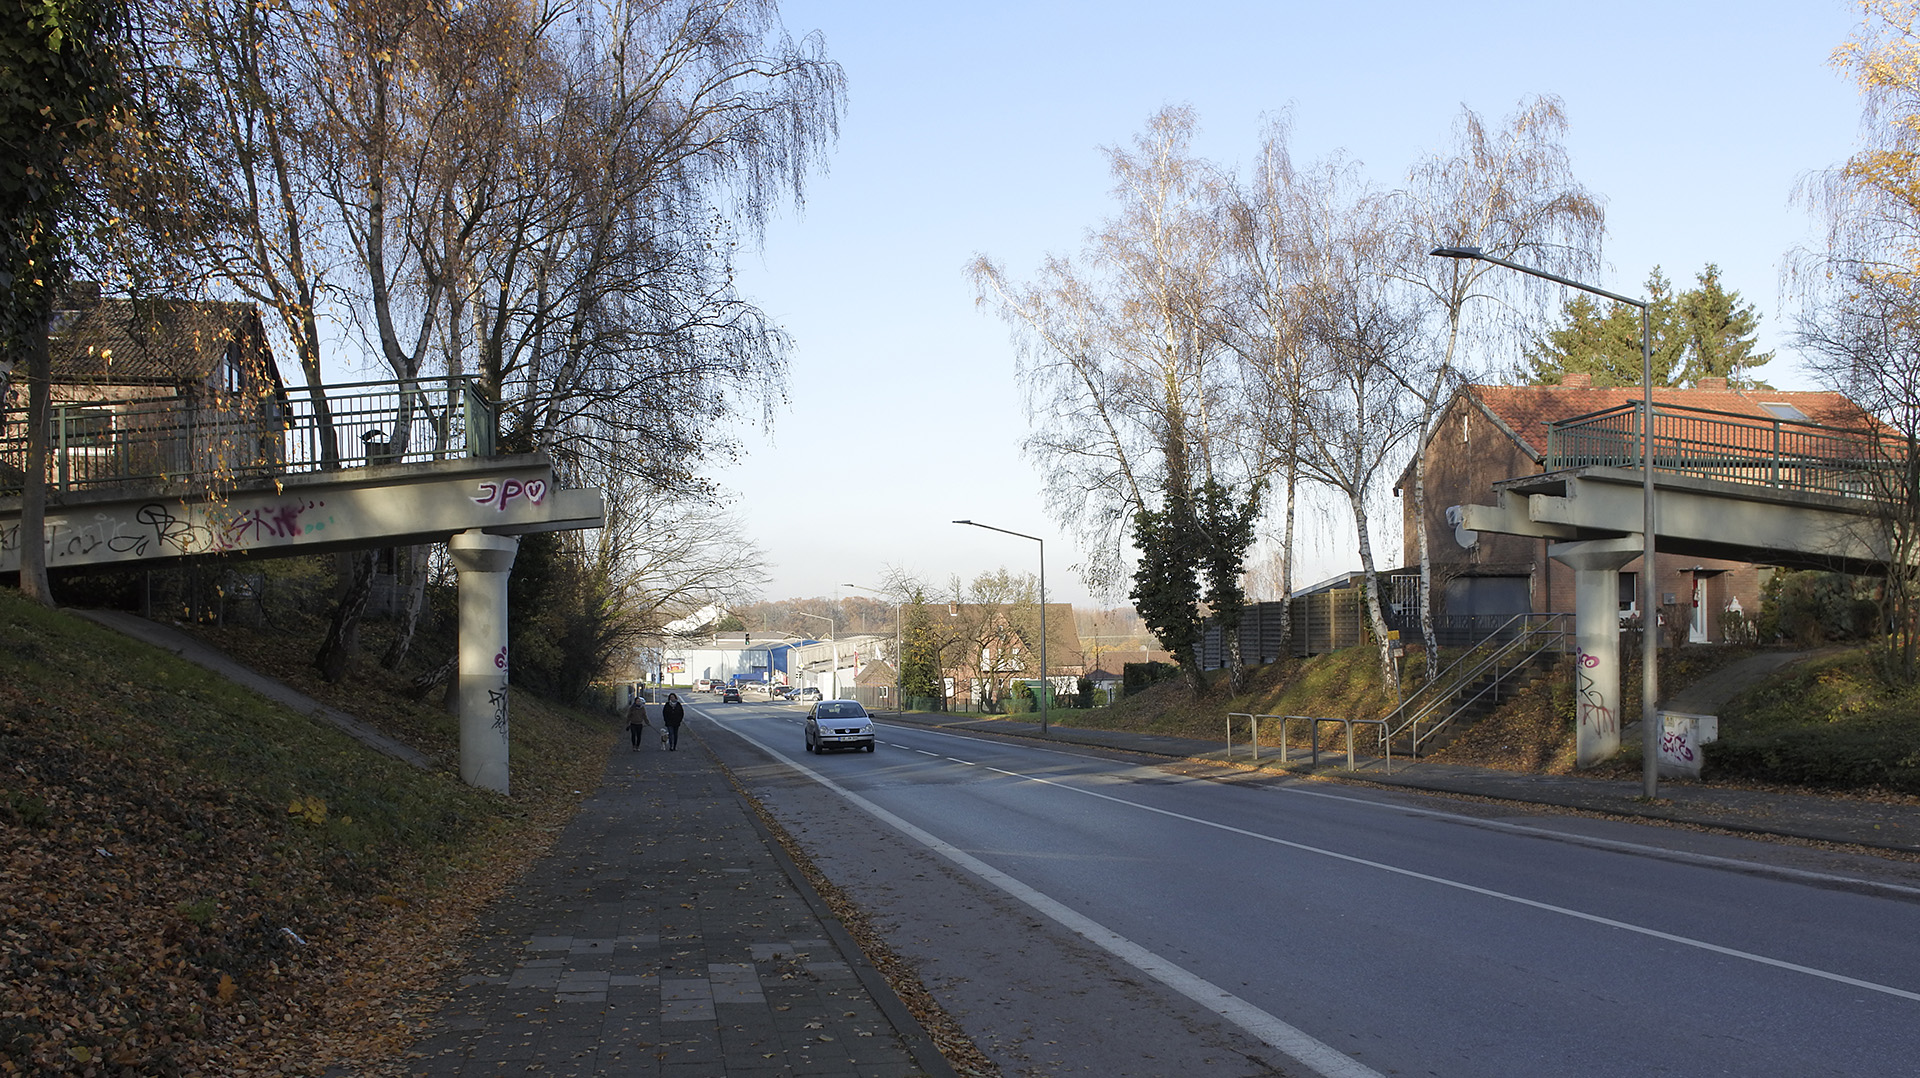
[249, 527]
[159, 530]
[1592, 706]
[1675, 745]
[502, 494]
[498, 698]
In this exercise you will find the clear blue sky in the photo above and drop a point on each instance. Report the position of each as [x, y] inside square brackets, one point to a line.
[977, 128]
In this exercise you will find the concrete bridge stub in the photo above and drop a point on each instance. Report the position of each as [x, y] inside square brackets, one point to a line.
[484, 562]
[1596, 567]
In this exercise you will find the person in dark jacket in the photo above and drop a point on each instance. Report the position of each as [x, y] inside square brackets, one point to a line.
[672, 714]
[636, 721]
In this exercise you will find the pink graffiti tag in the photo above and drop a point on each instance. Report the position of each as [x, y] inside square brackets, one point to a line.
[1592, 706]
[502, 494]
[500, 659]
[1675, 745]
[269, 522]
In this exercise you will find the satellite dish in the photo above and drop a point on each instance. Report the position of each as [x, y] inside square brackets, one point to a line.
[1457, 516]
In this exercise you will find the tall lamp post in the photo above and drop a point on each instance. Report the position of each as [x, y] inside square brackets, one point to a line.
[1046, 694]
[899, 702]
[833, 633]
[1649, 636]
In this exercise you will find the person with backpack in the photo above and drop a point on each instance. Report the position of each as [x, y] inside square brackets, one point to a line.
[672, 714]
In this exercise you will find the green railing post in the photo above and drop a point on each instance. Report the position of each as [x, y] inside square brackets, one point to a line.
[60, 446]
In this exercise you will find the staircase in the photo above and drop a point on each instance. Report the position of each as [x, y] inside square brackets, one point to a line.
[1516, 655]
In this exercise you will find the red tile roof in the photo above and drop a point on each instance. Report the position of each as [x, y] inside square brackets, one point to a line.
[117, 341]
[1527, 411]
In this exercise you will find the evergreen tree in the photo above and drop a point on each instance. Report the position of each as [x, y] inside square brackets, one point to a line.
[919, 656]
[1229, 532]
[1166, 588]
[1704, 332]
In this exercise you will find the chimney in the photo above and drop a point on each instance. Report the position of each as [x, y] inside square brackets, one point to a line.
[1711, 383]
[1582, 380]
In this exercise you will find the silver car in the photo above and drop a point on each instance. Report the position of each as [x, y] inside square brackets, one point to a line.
[838, 724]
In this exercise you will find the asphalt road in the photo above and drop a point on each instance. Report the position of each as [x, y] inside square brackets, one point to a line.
[1086, 914]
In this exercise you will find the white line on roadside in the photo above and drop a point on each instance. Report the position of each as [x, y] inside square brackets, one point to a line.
[1594, 918]
[1732, 864]
[1400, 805]
[1303, 1048]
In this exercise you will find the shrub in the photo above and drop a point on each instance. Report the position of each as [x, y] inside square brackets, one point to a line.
[1139, 676]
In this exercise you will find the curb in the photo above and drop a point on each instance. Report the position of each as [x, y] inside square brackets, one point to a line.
[926, 1055]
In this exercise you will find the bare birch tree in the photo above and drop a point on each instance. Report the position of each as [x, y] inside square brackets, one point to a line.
[1363, 325]
[1263, 323]
[1511, 193]
[1128, 385]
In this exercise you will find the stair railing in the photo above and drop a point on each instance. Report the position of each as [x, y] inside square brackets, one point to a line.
[1512, 647]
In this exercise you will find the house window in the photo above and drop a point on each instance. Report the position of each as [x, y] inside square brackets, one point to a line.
[1629, 594]
[1783, 410]
[883, 691]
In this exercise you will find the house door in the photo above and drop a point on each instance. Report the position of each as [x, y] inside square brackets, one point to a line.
[1697, 631]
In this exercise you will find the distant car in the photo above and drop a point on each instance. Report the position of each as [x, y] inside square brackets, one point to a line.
[838, 724]
[703, 685]
[730, 695]
[808, 693]
[781, 692]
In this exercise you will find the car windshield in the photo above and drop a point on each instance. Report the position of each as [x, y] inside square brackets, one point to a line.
[842, 711]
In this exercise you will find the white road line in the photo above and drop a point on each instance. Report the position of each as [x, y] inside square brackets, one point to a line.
[1321, 1058]
[1732, 864]
[958, 760]
[1625, 926]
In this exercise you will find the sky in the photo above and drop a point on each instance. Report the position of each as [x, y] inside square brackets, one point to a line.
[978, 128]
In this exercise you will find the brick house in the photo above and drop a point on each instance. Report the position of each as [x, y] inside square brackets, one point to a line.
[984, 648]
[1488, 433]
[151, 389]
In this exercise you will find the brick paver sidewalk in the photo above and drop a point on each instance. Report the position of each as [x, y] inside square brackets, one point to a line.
[664, 935]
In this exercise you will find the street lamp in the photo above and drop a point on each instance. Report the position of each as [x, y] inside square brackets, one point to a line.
[1046, 693]
[899, 702]
[1649, 638]
[833, 631]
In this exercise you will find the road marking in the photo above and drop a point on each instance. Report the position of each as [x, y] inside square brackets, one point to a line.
[1732, 864]
[958, 760]
[1579, 915]
[1302, 1047]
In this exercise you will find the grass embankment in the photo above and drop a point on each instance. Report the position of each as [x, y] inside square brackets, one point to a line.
[1346, 684]
[1831, 722]
[198, 881]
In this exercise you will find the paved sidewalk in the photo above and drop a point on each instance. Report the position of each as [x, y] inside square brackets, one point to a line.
[1887, 825]
[666, 934]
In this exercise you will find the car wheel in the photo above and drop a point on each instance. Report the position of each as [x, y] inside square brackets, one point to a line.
[869, 746]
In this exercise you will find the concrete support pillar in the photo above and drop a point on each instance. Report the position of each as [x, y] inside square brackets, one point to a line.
[1596, 630]
[484, 562]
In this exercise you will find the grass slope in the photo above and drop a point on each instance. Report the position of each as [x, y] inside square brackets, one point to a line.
[198, 881]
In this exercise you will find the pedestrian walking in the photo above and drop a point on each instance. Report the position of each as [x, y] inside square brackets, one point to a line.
[636, 721]
[672, 714]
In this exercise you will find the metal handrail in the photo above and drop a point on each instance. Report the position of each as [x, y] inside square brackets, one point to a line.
[215, 438]
[1313, 722]
[1445, 689]
[1783, 454]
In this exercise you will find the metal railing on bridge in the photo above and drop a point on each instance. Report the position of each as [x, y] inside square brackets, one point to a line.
[213, 439]
[1786, 454]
